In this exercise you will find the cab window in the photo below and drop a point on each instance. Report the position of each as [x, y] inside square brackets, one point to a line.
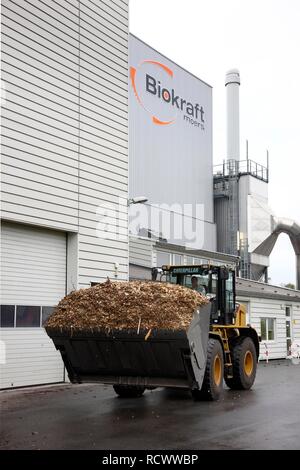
[197, 282]
[230, 303]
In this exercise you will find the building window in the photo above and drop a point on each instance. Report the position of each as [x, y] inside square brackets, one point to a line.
[46, 312]
[176, 260]
[267, 328]
[7, 316]
[28, 316]
[24, 316]
[230, 307]
[162, 258]
[288, 323]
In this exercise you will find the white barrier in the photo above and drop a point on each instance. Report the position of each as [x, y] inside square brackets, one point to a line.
[266, 352]
[295, 352]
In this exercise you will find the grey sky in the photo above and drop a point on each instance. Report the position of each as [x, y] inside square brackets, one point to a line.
[262, 39]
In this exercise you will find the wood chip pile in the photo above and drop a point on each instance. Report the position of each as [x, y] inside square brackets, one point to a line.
[138, 305]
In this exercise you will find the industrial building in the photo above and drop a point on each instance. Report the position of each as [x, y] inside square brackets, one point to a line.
[64, 154]
[170, 159]
[69, 71]
[246, 225]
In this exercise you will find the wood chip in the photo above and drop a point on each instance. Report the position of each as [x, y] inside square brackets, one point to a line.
[148, 334]
[126, 305]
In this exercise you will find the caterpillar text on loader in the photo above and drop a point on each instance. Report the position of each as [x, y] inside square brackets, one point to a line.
[218, 345]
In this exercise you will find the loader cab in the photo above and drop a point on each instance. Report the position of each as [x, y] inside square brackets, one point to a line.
[215, 282]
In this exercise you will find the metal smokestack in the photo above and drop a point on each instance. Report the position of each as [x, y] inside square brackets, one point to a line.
[232, 83]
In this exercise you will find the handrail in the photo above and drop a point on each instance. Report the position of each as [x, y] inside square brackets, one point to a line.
[241, 167]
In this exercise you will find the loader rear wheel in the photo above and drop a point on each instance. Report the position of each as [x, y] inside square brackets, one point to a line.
[244, 362]
[129, 391]
[214, 373]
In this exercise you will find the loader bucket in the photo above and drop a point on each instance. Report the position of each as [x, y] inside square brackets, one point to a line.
[164, 359]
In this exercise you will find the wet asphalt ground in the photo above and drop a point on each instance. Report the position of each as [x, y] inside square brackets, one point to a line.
[93, 417]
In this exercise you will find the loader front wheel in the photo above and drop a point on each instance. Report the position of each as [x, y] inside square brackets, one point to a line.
[214, 373]
[244, 362]
[129, 391]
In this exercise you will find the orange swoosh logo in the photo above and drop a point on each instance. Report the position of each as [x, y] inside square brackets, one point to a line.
[133, 71]
[161, 123]
[166, 69]
[132, 77]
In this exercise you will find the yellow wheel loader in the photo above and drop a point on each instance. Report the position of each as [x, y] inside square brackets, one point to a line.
[233, 346]
[218, 345]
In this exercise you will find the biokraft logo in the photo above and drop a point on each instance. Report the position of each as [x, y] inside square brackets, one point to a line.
[154, 86]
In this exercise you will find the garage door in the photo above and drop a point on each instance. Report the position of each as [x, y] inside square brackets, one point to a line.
[33, 280]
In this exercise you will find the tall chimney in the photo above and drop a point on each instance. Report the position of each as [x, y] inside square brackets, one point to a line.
[232, 83]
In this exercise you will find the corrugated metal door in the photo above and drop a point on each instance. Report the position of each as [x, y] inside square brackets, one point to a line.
[33, 280]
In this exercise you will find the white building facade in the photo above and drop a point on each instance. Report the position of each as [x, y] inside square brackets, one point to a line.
[275, 313]
[64, 162]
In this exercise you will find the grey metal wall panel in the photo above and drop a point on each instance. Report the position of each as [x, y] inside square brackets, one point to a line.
[35, 89]
[141, 252]
[21, 47]
[100, 116]
[106, 18]
[93, 69]
[20, 105]
[42, 148]
[139, 272]
[170, 157]
[65, 122]
[30, 127]
[16, 176]
[52, 166]
[222, 221]
[107, 131]
[103, 94]
[92, 34]
[87, 177]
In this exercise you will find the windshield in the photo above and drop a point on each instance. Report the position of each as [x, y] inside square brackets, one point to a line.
[206, 282]
[199, 282]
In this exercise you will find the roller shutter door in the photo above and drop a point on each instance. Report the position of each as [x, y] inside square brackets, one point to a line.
[33, 280]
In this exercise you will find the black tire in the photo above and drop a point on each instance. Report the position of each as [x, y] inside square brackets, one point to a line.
[212, 386]
[244, 360]
[129, 391]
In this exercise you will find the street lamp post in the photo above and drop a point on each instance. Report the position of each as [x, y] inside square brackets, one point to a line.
[137, 200]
